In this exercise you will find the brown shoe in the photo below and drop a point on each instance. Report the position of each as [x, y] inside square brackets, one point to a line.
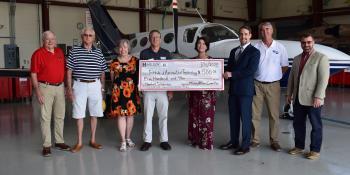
[46, 151]
[254, 145]
[276, 147]
[312, 155]
[295, 151]
[76, 148]
[62, 146]
[95, 145]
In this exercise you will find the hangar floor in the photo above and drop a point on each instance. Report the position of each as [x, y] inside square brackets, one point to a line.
[20, 148]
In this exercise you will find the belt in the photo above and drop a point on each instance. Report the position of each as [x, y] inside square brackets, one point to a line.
[51, 84]
[266, 82]
[85, 81]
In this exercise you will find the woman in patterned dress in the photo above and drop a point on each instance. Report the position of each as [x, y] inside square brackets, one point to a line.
[125, 101]
[201, 108]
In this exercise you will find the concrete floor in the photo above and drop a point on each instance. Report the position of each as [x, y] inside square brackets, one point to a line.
[20, 148]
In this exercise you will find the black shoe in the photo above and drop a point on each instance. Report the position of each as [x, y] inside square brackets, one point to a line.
[228, 146]
[165, 146]
[241, 151]
[145, 146]
[46, 151]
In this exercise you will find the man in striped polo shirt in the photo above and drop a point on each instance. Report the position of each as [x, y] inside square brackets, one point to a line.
[86, 66]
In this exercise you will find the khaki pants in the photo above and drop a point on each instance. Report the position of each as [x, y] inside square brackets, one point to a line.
[159, 100]
[269, 93]
[54, 102]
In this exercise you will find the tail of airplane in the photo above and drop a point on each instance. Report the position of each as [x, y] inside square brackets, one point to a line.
[106, 30]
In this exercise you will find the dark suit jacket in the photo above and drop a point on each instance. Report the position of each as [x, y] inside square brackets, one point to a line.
[243, 70]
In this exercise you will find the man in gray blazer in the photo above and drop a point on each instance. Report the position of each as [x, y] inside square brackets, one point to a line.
[307, 85]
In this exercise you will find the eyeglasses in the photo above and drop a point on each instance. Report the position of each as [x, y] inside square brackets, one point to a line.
[88, 35]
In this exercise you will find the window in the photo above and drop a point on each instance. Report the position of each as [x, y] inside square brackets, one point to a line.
[189, 34]
[133, 43]
[143, 41]
[168, 38]
[218, 33]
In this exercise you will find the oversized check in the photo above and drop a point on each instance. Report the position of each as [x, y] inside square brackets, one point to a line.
[181, 75]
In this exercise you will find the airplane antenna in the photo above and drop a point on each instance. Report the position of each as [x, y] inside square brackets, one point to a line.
[200, 15]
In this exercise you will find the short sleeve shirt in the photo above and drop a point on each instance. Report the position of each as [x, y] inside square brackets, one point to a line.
[49, 67]
[149, 54]
[85, 64]
[271, 60]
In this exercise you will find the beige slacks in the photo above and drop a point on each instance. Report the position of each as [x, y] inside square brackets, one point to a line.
[54, 104]
[269, 94]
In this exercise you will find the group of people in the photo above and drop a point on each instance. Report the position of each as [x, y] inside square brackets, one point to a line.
[253, 73]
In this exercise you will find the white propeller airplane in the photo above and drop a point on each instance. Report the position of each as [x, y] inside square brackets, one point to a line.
[222, 40]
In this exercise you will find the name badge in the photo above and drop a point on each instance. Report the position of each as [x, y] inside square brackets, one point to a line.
[275, 51]
[163, 58]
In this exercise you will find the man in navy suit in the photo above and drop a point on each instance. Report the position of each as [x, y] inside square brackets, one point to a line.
[242, 64]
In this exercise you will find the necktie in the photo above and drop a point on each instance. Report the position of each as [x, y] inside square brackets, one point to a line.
[239, 53]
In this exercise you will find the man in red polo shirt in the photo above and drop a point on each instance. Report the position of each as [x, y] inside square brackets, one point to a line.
[47, 72]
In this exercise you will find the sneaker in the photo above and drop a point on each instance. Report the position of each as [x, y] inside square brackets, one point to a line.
[46, 151]
[295, 151]
[130, 143]
[254, 145]
[145, 146]
[165, 146]
[276, 147]
[312, 155]
[122, 147]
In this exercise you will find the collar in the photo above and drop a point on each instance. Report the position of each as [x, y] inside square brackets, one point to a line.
[308, 54]
[244, 46]
[92, 48]
[272, 44]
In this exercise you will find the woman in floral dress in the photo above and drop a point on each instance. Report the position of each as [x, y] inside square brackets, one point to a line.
[125, 101]
[201, 108]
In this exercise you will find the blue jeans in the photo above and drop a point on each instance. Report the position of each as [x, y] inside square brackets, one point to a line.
[299, 124]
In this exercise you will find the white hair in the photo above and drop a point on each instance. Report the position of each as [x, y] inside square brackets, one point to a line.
[87, 29]
[46, 33]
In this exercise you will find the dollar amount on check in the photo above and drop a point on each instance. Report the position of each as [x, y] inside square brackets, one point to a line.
[181, 75]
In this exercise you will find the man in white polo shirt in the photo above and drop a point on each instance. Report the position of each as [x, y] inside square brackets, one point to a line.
[273, 63]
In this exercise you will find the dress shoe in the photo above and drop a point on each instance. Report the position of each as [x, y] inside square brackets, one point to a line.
[228, 146]
[95, 145]
[312, 155]
[62, 146]
[241, 151]
[295, 151]
[276, 147]
[254, 145]
[145, 146]
[165, 146]
[46, 151]
[76, 148]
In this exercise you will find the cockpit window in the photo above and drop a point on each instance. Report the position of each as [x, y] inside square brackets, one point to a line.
[189, 34]
[218, 33]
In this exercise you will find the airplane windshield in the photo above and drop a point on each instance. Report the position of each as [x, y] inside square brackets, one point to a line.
[218, 33]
